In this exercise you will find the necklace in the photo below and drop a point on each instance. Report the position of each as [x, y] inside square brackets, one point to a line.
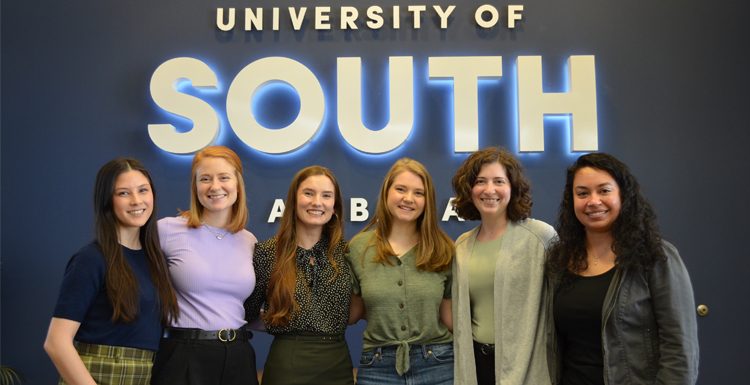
[596, 260]
[217, 235]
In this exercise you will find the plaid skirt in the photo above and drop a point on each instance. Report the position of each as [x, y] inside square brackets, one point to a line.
[115, 365]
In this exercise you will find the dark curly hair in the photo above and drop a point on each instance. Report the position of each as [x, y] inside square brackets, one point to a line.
[520, 203]
[636, 240]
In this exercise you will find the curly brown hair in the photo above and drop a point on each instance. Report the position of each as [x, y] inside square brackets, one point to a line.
[519, 207]
[636, 238]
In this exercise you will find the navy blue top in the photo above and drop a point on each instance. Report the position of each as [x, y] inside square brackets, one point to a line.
[83, 298]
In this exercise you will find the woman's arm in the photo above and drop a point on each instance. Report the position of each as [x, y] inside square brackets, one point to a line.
[446, 313]
[258, 324]
[357, 310]
[674, 309]
[263, 258]
[59, 346]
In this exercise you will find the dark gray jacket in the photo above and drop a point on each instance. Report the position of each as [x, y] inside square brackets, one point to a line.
[649, 327]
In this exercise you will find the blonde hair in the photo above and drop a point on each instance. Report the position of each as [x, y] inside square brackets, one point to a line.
[239, 208]
[435, 249]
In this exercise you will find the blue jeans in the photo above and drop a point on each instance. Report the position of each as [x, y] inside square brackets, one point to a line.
[428, 365]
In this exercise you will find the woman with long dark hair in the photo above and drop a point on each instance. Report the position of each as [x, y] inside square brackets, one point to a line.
[115, 295]
[401, 265]
[621, 297]
[210, 257]
[498, 275]
[303, 278]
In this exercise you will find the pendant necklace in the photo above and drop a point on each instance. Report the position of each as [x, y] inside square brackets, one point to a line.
[217, 235]
[596, 260]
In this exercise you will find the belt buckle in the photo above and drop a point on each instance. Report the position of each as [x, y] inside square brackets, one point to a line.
[489, 347]
[233, 335]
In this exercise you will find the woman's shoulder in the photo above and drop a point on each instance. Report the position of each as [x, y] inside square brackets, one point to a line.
[362, 238]
[247, 236]
[358, 244]
[168, 224]
[264, 256]
[90, 251]
[669, 250]
[89, 257]
[466, 236]
[340, 246]
[671, 258]
[267, 247]
[541, 230]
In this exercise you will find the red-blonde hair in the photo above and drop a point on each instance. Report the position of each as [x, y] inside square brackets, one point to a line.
[239, 208]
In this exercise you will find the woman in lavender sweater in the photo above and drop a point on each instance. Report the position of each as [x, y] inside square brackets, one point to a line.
[209, 254]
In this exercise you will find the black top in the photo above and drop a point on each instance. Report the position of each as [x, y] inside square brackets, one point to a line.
[578, 318]
[323, 300]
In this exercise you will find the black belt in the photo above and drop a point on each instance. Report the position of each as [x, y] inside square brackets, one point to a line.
[486, 349]
[224, 335]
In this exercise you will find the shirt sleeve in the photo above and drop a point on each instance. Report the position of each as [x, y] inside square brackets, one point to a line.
[448, 292]
[355, 282]
[82, 282]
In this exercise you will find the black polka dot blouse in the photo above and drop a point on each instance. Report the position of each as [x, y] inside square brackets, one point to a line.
[323, 300]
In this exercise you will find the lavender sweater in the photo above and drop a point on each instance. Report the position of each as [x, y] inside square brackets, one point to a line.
[211, 277]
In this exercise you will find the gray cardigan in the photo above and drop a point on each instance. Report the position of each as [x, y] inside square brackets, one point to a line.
[520, 340]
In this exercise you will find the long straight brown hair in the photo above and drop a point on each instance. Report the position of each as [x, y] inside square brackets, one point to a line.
[435, 248]
[121, 282]
[281, 302]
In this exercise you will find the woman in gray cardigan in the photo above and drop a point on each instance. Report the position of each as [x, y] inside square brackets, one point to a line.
[499, 329]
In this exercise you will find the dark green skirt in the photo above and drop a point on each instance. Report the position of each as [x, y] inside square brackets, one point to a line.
[308, 358]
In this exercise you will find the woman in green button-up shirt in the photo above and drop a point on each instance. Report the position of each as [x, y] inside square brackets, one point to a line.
[401, 282]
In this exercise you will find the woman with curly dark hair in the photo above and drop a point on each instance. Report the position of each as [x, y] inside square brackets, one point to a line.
[621, 298]
[498, 275]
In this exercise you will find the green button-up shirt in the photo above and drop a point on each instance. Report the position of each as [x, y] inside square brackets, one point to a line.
[402, 303]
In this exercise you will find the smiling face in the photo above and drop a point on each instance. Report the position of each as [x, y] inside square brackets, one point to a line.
[491, 192]
[596, 199]
[315, 200]
[216, 185]
[133, 201]
[406, 197]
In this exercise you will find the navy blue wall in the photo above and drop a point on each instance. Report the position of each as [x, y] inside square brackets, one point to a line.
[671, 84]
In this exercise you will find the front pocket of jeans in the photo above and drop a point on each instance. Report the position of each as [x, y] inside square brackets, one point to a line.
[367, 359]
[442, 354]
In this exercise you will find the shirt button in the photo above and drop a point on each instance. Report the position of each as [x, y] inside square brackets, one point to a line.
[399, 262]
[401, 306]
[403, 328]
[401, 283]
